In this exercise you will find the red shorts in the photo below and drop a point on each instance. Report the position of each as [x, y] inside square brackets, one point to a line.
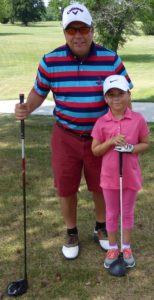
[72, 155]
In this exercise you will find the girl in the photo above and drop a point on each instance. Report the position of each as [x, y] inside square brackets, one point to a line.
[123, 130]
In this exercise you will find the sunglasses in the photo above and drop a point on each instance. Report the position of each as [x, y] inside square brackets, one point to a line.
[73, 30]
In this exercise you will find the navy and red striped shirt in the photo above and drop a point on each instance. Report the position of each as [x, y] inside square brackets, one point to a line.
[77, 85]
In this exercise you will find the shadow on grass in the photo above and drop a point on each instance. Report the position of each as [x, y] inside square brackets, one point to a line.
[138, 58]
[41, 26]
[149, 99]
[14, 33]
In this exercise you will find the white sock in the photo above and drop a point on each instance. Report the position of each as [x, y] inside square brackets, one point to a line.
[113, 246]
[125, 246]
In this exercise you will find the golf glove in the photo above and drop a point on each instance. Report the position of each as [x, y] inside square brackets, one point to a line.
[128, 148]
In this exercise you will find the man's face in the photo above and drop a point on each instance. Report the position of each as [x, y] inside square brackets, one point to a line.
[79, 40]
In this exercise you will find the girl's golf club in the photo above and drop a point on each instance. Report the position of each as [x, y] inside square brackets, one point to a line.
[118, 267]
[19, 287]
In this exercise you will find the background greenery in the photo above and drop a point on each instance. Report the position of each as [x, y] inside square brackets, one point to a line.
[22, 47]
[50, 275]
[114, 20]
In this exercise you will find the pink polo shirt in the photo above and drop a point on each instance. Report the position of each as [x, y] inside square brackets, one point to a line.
[134, 127]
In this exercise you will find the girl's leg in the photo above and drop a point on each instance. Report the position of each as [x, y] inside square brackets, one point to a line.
[128, 223]
[111, 198]
[129, 198]
[112, 238]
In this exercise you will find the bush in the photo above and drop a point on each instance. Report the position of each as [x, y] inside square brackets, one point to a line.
[148, 28]
[5, 20]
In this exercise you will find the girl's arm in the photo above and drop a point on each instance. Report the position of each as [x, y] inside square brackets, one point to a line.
[99, 148]
[142, 146]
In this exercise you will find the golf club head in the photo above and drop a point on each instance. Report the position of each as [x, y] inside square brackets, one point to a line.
[17, 288]
[118, 267]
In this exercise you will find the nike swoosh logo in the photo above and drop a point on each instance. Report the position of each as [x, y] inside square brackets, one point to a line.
[113, 80]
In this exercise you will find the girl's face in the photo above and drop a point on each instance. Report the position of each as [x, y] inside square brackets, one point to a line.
[118, 100]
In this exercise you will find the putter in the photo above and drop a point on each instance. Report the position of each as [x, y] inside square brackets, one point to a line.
[19, 287]
[119, 267]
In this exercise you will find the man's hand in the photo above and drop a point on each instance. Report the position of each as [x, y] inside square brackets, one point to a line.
[21, 111]
[33, 101]
[128, 148]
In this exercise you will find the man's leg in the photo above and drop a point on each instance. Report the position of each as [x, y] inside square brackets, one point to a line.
[99, 206]
[92, 170]
[67, 167]
[69, 210]
[100, 234]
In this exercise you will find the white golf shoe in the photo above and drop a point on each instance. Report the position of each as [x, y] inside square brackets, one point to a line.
[100, 236]
[71, 249]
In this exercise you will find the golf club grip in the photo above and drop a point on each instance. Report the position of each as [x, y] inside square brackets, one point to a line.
[21, 98]
[120, 163]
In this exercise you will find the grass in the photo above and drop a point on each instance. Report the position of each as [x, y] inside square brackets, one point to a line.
[50, 276]
[22, 47]
[138, 57]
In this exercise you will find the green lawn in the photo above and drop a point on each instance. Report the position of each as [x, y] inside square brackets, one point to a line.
[138, 56]
[50, 275]
[22, 47]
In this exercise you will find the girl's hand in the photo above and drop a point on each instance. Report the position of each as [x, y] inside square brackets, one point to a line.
[118, 140]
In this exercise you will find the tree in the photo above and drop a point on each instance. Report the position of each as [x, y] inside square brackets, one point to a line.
[55, 9]
[148, 19]
[5, 10]
[28, 10]
[1, 10]
[115, 20]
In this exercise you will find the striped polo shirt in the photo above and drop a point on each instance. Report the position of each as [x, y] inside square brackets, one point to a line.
[77, 85]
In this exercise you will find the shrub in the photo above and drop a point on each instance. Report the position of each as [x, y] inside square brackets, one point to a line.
[148, 28]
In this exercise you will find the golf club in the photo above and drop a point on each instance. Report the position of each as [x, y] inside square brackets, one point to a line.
[19, 287]
[118, 267]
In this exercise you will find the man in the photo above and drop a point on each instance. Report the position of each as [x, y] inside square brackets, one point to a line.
[75, 73]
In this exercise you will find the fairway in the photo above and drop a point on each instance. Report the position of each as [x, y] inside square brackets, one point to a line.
[21, 48]
[138, 56]
[50, 275]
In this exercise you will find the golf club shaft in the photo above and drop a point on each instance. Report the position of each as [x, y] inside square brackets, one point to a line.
[121, 197]
[21, 96]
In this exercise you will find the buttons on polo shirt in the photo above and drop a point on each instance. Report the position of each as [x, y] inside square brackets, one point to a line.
[118, 129]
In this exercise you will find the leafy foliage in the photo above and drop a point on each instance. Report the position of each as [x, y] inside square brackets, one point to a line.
[55, 9]
[22, 10]
[148, 19]
[5, 10]
[115, 20]
[29, 10]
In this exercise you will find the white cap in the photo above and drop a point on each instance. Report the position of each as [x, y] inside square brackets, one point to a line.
[115, 81]
[76, 12]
